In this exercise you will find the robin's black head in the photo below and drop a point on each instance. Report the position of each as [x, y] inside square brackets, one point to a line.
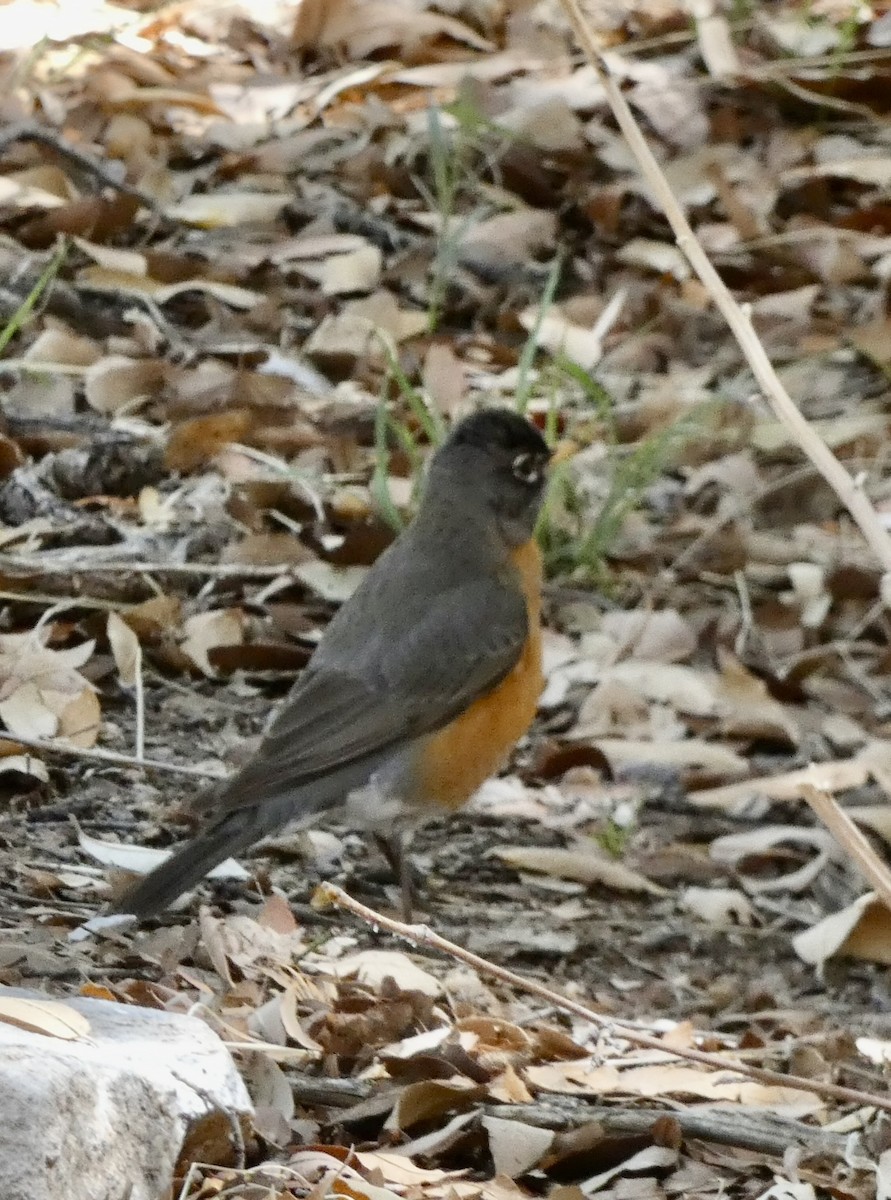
[494, 461]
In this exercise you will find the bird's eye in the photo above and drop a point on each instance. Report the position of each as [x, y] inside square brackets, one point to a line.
[526, 468]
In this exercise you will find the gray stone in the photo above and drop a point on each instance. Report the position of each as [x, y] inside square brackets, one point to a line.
[105, 1116]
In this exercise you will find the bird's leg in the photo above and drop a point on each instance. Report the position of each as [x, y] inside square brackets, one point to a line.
[395, 850]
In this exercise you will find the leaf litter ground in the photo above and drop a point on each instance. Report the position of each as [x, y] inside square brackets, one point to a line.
[302, 215]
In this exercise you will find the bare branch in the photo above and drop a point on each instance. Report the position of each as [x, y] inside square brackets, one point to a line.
[849, 490]
[421, 935]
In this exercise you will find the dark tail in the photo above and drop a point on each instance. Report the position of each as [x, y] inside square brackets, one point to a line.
[188, 865]
[236, 831]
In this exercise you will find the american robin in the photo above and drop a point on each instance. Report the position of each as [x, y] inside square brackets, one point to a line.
[423, 681]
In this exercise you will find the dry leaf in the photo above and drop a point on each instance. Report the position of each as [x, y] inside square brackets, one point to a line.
[126, 650]
[103, 279]
[42, 693]
[49, 1017]
[58, 346]
[372, 967]
[723, 906]
[733, 847]
[116, 382]
[862, 930]
[662, 636]
[432, 1098]
[218, 210]
[139, 860]
[515, 1147]
[205, 631]
[670, 1078]
[365, 27]
[586, 864]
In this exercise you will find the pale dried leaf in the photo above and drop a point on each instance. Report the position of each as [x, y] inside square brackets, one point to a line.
[204, 631]
[861, 930]
[126, 650]
[117, 382]
[142, 859]
[586, 864]
[515, 1147]
[372, 967]
[49, 1017]
[218, 210]
[722, 906]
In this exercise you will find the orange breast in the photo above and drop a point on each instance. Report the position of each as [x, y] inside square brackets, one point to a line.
[461, 757]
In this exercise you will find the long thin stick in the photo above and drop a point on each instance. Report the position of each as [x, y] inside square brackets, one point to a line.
[850, 838]
[420, 935]
[46, 565]
[849, 490]
[108, 756]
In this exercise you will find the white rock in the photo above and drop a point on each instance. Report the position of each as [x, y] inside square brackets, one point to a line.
[105, 1115]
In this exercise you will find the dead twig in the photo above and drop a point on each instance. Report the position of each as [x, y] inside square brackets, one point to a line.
[421, 935]
[849, 490]
[110, 756]
[850, 838]
[765, 1133]
[29, 131]
[44, 565]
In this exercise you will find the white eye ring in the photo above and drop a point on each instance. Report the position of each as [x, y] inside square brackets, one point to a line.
[526, 468]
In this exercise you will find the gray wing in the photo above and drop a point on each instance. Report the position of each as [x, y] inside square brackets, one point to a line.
[462, 646]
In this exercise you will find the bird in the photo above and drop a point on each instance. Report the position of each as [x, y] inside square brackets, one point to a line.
[423, 681]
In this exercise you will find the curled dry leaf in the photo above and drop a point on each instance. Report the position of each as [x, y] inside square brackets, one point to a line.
[432, 1098]
[101, 279]
[556, 333]
[494, 1042]
[398, 1169]
[723, 906]
[734, 847]
[661, 257]
[692, 754]
[126, 649]
[509, 237]
[862, 930]
[42, 693]
[253, 947]
[651, 1159]
[205, 631]
[272, 1096]
[342, 274]
[17, 190]
[332, 583]
[663, 636]
[25, 764]
[196, 442]
[685, 689]
[64, 348]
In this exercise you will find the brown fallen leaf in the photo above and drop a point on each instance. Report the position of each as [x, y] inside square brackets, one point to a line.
[194, 443]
